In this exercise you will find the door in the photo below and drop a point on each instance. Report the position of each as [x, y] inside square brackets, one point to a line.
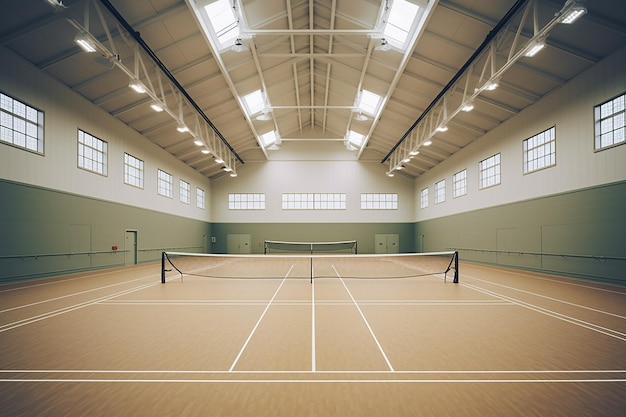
[386, 243]
[130, 248]
[238, 244]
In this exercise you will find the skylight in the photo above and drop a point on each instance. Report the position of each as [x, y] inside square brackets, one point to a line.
[399, 22]
[270, 138]
[254, 102]
[369, 102]
[355, 139]
[224, 21]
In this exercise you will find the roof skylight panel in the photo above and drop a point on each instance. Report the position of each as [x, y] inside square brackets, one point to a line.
[224, 21]
[399, 22]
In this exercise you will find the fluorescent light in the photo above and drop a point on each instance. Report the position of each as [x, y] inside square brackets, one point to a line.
[206, 151]
[182, 127]
[535, 48]
[390, 174]
[572, 11]
[414, 153]
[219, 160]
[442, 128]
[57, 4]
[156, 106]
[491, 85]
[428, 143]
[468, 107]
[233, 174]
[82, 39]
[198, 142]
[137, 86]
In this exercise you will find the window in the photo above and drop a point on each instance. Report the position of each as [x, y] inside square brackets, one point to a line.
[440, 191]
[379, 201]
[459, 184]
[369, 102]
[314, 201]
[269, 139]
[165, 183]
[399, 22]
[609, 123]
[540, 151]
[185, 192]
[254, 102]
[249, 201]
[223, 20]
[355, 139]
[20, 124]
[489, 171]
[200, 198]
[92, 153]
[133, 171]
[424, 198]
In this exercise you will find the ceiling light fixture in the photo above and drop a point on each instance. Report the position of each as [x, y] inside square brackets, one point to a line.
[428, 143]
[390, 174]
[535, 47]
[572, 11]
[238, 46]
[491, 85]
[361, 117]
[57, 4]
[219, 160]
[414, 153]
[468, 107]
[206, 151]
[156, 106]
[82, 39]
[137, 85]
[182, 127]
[198, 142]
[384, 45]
[233, 174]
[442, 128]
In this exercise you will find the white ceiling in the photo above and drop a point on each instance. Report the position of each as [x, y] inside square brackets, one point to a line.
[311, 57]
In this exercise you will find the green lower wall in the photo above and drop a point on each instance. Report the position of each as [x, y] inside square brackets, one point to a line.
[589, 222]
[363, 233]
[46, 232]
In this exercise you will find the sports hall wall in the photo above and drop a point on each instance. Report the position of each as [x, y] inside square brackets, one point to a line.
[310, 168]
[58, 218]
[567, 218]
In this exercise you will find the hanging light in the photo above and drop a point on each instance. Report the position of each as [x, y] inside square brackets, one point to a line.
[137, 85]
[572, 11]
[239, 47]
[384, 45]
[83, 40]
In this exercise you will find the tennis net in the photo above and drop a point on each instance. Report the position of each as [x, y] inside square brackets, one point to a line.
[311, 266]
[278, 247]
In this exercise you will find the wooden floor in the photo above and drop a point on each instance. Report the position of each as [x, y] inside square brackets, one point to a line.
[500, 343]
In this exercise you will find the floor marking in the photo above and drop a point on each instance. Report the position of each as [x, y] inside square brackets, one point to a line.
[594, 327]
[259, 321]
[67, 309]
[549, 298]
[313, 354]
[364, 319]
[72, 295]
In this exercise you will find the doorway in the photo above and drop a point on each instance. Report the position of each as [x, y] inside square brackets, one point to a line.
[238, 244]
[130, 247]
[386, 243]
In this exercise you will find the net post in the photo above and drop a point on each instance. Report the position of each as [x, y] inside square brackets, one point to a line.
[456, 267]
[162, 267]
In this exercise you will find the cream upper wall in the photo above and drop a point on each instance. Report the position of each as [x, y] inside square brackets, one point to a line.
[570, 110]
[66, 112]
[282, 175]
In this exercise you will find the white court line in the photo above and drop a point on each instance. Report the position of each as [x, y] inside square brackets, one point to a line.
[313, 354]
[564, 281]
[365, 320]
[573, 320]
[259, 321]
[54, 280]
[595, 310]
[71, 295]
[67, 309]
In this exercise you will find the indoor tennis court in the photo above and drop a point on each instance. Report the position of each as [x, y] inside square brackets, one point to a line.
[499, 342]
